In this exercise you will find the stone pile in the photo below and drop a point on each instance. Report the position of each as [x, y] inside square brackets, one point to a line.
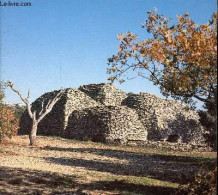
[106, 124]
[183, 147]
[166, 119]
[101, 112]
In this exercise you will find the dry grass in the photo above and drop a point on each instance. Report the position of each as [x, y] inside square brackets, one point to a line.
[59, 166]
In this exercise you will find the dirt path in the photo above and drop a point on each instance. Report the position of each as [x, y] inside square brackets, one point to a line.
[58, 166]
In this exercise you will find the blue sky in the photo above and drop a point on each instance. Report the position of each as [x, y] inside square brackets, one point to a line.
[66, 43]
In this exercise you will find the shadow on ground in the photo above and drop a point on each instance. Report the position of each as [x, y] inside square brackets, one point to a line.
[171, 168]
[122, 186]
[19, 181]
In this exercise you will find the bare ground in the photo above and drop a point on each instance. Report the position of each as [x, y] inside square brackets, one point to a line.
[60, 166]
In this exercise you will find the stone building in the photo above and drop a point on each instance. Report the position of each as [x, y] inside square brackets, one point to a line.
[106, 124]
[166, 119]
[56, 121]
[101, 112]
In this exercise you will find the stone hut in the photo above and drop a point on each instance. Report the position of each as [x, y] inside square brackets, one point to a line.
[166, 119]
[56, 121]
[106, 124]
[101, 112]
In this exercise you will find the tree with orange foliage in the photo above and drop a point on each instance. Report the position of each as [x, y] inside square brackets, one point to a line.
[181, 58]
[8, 121]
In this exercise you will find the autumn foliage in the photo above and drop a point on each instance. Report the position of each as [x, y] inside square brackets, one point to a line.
[179, 58]
[8, 121]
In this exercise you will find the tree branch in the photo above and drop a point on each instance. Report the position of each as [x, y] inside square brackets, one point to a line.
[50, 105]
[200, 98]
[25, 100]
[42, 108]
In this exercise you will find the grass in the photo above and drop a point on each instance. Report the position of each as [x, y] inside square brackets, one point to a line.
[60, 165]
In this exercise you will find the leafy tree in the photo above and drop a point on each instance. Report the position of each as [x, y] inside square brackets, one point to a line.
[18, 109]
[180, 58]
[8, 121]
[208, 119]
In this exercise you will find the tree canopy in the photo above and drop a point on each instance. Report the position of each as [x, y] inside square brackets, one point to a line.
[180, 58]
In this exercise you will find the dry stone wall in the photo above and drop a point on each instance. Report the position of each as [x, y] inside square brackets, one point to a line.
[166, 119]
[101, 112]
[183, 147]
[77, 100]
[53, 123]
[106, 124]
[56, 121]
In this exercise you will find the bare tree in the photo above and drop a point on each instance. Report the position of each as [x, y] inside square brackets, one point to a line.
[42, 113]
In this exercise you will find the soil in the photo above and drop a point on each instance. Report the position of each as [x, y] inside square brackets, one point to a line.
[61, 166]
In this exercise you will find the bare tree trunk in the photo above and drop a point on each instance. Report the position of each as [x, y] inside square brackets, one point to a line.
[44, 110]
[32, 135]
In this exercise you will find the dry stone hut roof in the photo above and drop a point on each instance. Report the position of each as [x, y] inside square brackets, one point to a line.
[102, 112]
[106, 124]
[105, 93]
[77, 100]
[165, 118]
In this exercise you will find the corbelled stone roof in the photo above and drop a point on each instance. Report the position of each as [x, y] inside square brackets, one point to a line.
[102, 112]
[163, 118]
[105, 93]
